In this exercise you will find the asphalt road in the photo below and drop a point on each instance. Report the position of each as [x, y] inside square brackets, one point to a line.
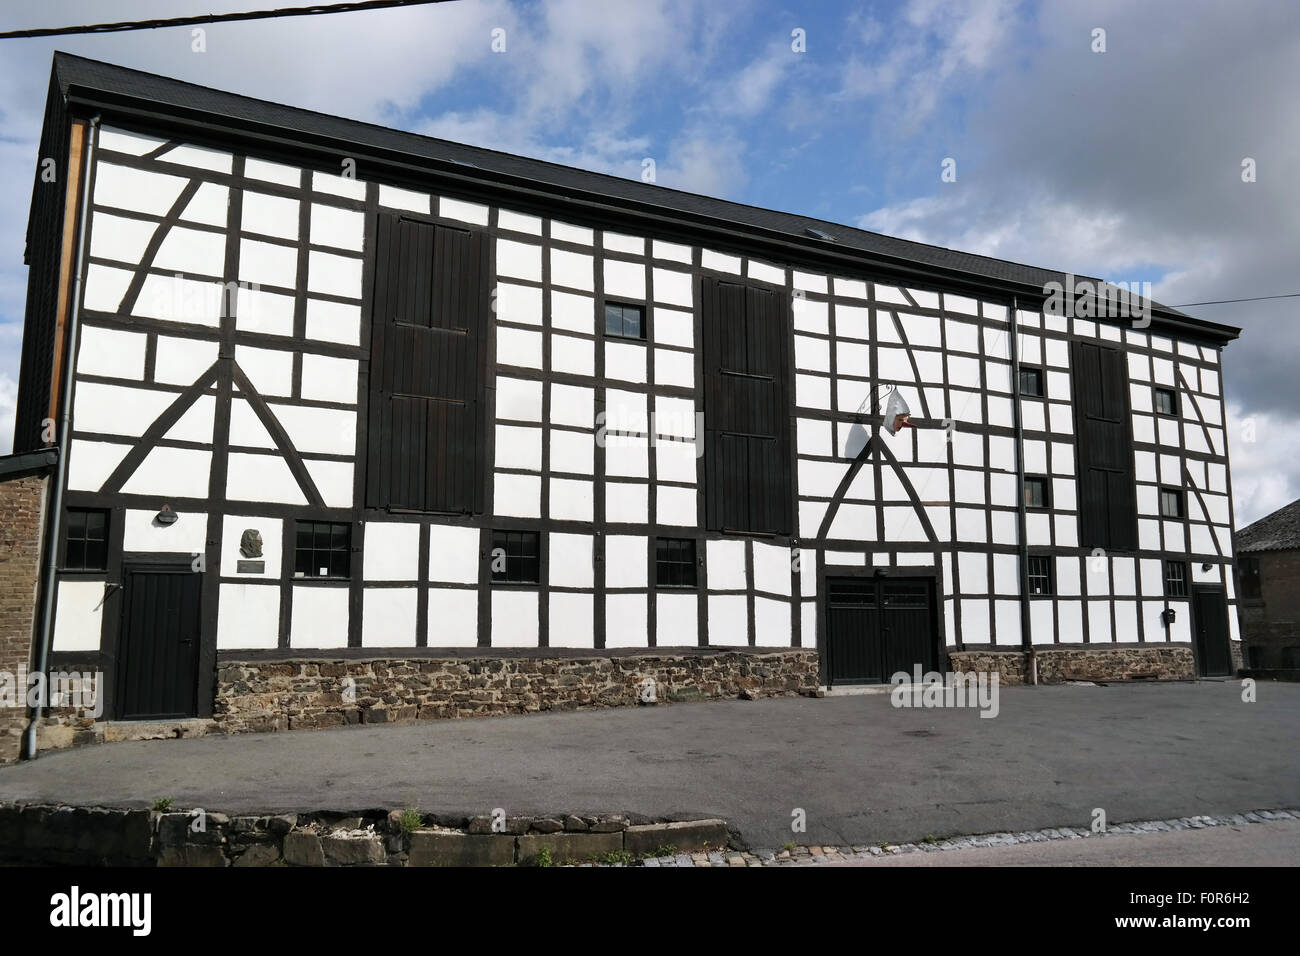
[1276, 843]
[862, 771]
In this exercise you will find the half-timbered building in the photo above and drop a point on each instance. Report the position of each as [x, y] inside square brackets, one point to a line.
[339, 403]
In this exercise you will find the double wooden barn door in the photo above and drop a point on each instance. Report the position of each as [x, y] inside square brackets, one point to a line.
[158, 657]
[876, 627]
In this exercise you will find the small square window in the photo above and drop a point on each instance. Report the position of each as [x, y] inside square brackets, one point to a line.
[322, 549]
[87, 540]
[1175, 579]
[1166, 401]
[1171, 503]
[515, 557]
[1040, 574]
[1037, 493]
[1031, 382]
[675, 563]
[624, 321]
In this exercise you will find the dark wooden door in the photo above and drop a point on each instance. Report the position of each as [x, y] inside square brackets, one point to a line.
[429, 322]
[158, 658]
[876, 627]
[1210, 621]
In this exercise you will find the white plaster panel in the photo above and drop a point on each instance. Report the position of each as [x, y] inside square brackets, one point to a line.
[573, 355]
[518, 222]
[626, 560]
[625, 361]
[105, 287]
[810, 316]
[675, 461]
[572, 269]
[176, 298]
[728, 624]
[471, 212]
[78, 616]
[626, 503]
[571, 499]
[519, 348]
[514, 619]
[396, 198]
[119, 238]
[772, 625]
[111, 352]
[675, 506]
[517, 495]
[519, 303]
[347, 187]
[340, 228]
[334, 275]
[572, 312]
[136, 189]
[187, 535]
[570, 404]
[624, 279]
[571, 452]
[388, 617]
[390, 551]
[725, 565]
[270, 215]
[200, 157]
[270, 370]
[319, 617]
[327, 379]
[520, 260]
[91, 462]
[272, 172]
[252, 477]
[672, 288]
[179, 472]
[519, 447]
[570, 560]
[572, 622]
[453, 554]
[248, 616]
[192, 252]
[626, 620]
[125, 141]
[671, 251]
[453, 617]
[772, 568]
[674, 368]
[267, 263]
[676, 620]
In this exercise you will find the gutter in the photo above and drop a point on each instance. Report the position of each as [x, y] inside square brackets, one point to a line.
[1026, 645]
[49, 577]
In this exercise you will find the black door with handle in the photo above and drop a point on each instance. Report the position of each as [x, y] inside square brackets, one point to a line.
[876, 627]
[158, 658]
[1210, 620]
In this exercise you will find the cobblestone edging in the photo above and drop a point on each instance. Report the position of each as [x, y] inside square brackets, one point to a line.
[97, 836]
[814, 855]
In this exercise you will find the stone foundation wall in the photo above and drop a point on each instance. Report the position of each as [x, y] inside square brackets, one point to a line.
[1055, 665]
[22, 510]
[291, 695]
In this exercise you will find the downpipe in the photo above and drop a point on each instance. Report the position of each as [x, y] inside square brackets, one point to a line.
[49, 576]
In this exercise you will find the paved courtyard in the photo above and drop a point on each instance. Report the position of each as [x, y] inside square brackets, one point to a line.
[861, 771]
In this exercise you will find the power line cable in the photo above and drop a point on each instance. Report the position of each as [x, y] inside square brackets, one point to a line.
[313, 10]
[1254, 298]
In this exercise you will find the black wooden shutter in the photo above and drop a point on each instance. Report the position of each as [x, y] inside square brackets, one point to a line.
[1104, 443]
[746, 410]
[429, 322]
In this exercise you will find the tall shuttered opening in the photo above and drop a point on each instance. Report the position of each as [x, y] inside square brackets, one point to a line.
[429, 326]
[746, 409]
[1104, 439]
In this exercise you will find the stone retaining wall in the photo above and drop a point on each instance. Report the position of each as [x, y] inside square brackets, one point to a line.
[22, 505]
[291, 695]
[1055, 665]
[95, 836]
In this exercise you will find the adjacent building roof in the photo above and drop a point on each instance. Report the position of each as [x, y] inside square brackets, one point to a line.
[90, 85]
[1279, 531]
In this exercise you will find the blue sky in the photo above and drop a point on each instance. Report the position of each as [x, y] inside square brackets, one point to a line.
[1123, 163]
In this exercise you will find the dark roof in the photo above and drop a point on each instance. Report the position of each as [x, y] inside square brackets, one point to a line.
[1279, 531]
[94, 85]
[27, 463]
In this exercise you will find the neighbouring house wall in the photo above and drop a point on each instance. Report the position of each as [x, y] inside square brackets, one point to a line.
[22, 513]
[159, 420]
[1271, 622]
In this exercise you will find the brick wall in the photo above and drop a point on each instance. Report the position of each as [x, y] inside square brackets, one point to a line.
[22, 507]
[1270, 624]
[1057, 664]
